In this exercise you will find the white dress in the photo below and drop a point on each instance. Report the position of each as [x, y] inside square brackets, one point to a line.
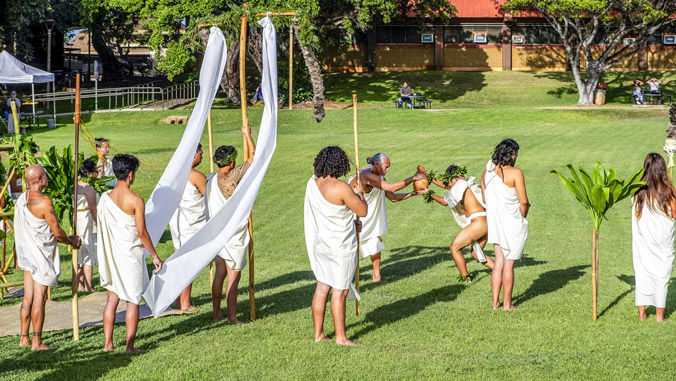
[86, 229]
[122, 267]
[36, 247]
[374, 225]
[189, 217]
[330, 238]
[506, 226]
[235, 252]
[652, 242]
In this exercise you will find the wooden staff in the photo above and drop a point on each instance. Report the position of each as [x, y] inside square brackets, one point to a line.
[290, 67]
[211, 170]
[245, 122]
[76, 268]
[356, 161]
[15, 116]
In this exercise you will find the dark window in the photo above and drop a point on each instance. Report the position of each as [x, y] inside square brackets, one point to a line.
[537, 34]
[464, 34]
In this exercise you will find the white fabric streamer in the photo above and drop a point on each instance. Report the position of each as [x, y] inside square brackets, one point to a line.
[189, 260]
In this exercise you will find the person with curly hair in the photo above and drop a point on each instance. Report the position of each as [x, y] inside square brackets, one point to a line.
[231, 260]
[504, 190]
[331, 237]
[466, 202]
[377, 188]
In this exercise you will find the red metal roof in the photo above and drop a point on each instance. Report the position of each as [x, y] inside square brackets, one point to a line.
[479, 8]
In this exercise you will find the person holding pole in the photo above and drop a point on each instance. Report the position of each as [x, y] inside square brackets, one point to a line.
[376, 190]
[37, 232]
[122, 237]
[189, 217]
[87, 198]
[11, 128]
[231, 260]
[331, 237]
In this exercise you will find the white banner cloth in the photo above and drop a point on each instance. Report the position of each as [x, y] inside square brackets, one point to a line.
[189, 260]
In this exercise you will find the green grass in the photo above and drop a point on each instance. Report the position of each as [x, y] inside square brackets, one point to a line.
[422, 323]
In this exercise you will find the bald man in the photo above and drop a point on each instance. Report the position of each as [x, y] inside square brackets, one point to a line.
[37, 233]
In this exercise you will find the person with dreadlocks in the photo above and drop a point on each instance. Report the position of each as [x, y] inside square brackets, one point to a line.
[231, 260]
[652, 236]
[469, 210]
[504, 190]
[376, 189]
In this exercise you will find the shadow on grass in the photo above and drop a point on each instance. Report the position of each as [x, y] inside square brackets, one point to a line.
[549, 282]
[630, 280]
[402, 263]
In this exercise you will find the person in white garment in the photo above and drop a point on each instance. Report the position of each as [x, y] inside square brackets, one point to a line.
[104, 165]
[465, 200]
[652, 236]
[37, 232]
[504, 190]
[122, 236]
[377, 188]
[11, 128]
[331, 237]
[87, 198]
[189, 217]
[231, 260]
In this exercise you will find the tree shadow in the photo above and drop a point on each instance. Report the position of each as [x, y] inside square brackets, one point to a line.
[549, 282]
[630, 280]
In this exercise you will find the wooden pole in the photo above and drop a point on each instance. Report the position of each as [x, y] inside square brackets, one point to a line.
[595, 262]
[15, 117]
[211, 170]
[76, 314]
[291, 67]
[356, 164]
[245, 122]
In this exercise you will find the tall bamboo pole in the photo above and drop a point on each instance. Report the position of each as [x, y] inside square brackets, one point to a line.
[76, 314]
[211, 170]
[356, 164]
[245, 122]
[595, 268]
[290, 67]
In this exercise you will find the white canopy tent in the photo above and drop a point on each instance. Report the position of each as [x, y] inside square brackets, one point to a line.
[14, 71]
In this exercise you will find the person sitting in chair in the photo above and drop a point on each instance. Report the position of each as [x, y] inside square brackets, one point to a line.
[404, 95]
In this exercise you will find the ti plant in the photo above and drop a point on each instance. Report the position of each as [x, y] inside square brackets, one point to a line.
[598, 192]
[23, 154]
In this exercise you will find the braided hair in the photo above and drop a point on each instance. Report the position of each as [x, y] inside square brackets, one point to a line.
[224, 155]
[505, 153]
[331, 161]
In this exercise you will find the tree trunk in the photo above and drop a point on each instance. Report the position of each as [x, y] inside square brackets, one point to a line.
[254, 47]
[586, 88]
[230, 79]
[111, 65]
[643, 55]
[315, 76]
[595, 269]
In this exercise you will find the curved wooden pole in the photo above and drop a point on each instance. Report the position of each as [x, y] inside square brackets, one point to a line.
[356, 164]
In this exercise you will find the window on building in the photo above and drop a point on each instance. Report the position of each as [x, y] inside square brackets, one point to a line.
[464, 34]
[401, 34]
[537, 34]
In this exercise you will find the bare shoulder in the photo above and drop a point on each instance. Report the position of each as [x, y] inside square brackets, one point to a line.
[196, 176]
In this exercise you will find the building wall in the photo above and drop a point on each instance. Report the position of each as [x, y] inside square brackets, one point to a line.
[404, 57]
[472, 57]
[352, 59]
[661, 58]
[538, 58]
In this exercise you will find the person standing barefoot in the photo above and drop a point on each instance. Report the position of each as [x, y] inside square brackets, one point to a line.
[507, 205]
[652, 236]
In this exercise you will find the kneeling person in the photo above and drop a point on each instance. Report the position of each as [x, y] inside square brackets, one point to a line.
[122, 236]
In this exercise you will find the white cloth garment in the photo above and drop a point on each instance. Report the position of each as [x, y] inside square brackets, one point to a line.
[652, 242]
[36, 248]
[122, 267]
[454, 200]
[182, 267]
[11, 129]
[86, 229]
[235, 251]
[374, 225]
[108, 171]
[330, 238]
[13, 195]
[189, 217]
[506, 225]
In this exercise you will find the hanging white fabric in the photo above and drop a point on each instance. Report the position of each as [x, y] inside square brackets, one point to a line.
[182, 267]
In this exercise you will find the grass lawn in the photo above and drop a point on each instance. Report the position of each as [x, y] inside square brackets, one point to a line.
[422, 323]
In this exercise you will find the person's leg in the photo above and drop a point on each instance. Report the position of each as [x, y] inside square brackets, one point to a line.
[109, 320]
[184, 299]
[375, 259]
[482, 244]
[508, 285]
[641, 313]
[659, 314]
[131, 320]
[88, 270]
[38, 315]
[468, 235]
[496, 276]
[217, 287]
[319, 310]
[338, 311]
[231, 294]
[25, 309]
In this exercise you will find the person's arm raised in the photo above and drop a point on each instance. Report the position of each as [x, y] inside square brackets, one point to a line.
[246, 130]
[520, 185]
[353, 197]
[47, 210]
[439, 183]
[375, 181]
[140, 217]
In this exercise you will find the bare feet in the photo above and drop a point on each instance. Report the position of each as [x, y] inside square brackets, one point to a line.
[663, 320]
[234, 321]
[379, 279]
[108, 349]
[509, 308]
[24, 341]
[346, 342]
[321, 338]
[134, 350]
[218, 317]
[642, 317]
[496, 306]
[41, 347]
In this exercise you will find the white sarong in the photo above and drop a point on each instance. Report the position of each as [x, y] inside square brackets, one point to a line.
[652, 242]
[235, 251]
[36, 247]
[189, 217]
[506, 226]
[374, 225]
[454, 200]
[122, 267]
[331, 239]
[86, 229]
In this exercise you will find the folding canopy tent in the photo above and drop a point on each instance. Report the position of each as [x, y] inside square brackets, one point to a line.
[14, 71]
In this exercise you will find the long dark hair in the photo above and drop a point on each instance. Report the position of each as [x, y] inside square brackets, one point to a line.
[658, 191]
[505, 153]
